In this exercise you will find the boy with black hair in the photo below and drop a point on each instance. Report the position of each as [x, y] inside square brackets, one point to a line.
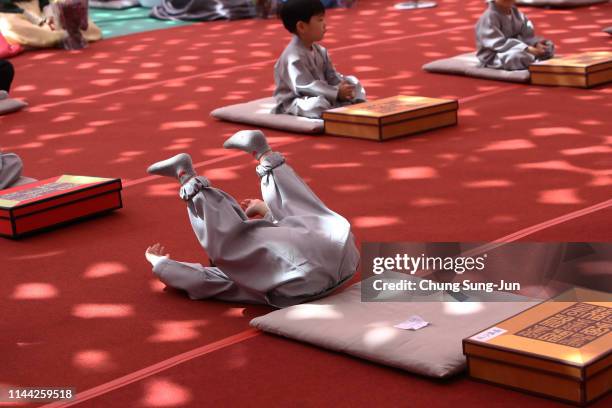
[306, 82]
[506, 39]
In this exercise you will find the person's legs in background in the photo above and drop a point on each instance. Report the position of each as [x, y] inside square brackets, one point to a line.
[7, 72]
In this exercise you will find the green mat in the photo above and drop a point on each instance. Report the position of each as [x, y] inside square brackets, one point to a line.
[115, 23]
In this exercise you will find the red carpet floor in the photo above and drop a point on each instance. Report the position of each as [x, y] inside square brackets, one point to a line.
[80, 306]
[284, 373]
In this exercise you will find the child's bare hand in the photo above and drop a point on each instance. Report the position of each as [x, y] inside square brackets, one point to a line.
[253, 207]
[155, 253]
[51, 23]
[346, 91]
[157, 249]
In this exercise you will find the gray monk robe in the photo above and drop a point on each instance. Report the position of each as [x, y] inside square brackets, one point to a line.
[10, 169]
[301, 251]
[204, 10]
[502, 39]
[307, 82]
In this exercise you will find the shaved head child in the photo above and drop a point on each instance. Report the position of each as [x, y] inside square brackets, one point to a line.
[307, 83]
[506, 39]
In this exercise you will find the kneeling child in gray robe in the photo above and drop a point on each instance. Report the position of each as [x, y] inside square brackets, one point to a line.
[307, 84]
[505, 38]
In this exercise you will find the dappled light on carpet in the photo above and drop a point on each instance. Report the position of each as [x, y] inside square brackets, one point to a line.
[172, 331]
[102, 311]
[35, 291]
[161, 392]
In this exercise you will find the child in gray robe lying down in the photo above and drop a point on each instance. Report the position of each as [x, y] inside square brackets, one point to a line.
[307, 83]
[299, 251]
[10, 169]
[506, 40]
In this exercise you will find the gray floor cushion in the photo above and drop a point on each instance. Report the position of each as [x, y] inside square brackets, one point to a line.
[257, 113]
[343, 323]
[559, 3]
[468, 65]
[114, 4]
[11, 105]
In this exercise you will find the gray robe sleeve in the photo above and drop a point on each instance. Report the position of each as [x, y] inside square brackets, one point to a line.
[527, 32]
[198, 281]
[332, 76]
[270, 217]
[489, 35]
[303, 83]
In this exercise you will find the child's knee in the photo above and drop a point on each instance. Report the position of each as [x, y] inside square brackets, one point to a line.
[313, 107]
[520, 60]
[321, 102]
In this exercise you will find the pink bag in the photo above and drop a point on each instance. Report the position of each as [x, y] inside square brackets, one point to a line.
[7, 50]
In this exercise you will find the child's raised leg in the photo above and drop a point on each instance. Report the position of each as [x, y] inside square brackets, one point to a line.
[284, 192]
[216, 217]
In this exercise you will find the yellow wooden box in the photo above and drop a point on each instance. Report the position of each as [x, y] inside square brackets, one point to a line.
[392, 117]
[583, 70]
[558, 349]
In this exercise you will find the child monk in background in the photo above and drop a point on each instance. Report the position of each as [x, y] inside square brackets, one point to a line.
[307, 83]
[506, 39]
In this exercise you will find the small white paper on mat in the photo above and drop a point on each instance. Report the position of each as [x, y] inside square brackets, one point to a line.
[489, 334]
[413, 323]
